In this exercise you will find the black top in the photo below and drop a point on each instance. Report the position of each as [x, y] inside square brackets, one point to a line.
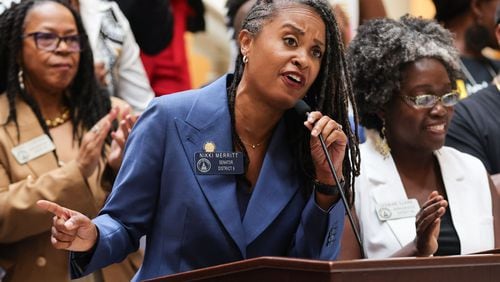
[475, 127]
[449, 243]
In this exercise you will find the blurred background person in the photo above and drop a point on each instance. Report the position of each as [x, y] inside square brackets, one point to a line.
[168, 68]
[118, 65]
[472, 23]
[49, 102]
[209, 51]
[475, 127]
[404, 75]
[152, 23]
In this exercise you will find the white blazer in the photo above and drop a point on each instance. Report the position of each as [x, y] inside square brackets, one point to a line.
[469, 197]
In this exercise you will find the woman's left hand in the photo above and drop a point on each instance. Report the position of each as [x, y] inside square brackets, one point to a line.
[120, 137]
[335, 141]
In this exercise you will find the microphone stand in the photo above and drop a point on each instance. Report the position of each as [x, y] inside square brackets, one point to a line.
[342, 195]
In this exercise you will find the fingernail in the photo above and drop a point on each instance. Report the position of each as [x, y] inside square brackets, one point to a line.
[314, 132]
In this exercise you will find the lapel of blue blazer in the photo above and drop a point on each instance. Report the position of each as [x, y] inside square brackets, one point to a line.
[209, 120]
[274, 189]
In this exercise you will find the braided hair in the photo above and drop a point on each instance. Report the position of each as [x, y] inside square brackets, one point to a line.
[330, 93]
[87, 102]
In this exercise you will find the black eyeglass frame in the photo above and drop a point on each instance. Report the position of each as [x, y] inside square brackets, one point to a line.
[37, 35]
[413, 100]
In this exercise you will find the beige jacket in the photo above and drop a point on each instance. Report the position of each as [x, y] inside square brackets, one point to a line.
[25, 250]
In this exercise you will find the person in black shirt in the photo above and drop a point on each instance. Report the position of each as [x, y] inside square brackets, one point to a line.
[475, 128]
[473, 25]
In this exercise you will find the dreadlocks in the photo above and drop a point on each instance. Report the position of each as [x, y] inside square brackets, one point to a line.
[86, 101]
[330, 94]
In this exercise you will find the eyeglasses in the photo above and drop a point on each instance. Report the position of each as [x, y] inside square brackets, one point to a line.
[48, 41]
[428, 101]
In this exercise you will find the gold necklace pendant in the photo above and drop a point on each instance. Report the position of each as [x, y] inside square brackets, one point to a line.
[55, 122]
[254, 146]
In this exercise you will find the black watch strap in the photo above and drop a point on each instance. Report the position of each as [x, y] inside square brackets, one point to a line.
[325, 189]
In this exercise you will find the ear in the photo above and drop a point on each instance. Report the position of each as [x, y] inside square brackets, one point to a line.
[476, 10]
[246, 39]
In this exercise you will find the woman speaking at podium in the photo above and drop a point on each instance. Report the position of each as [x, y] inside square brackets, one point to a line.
[230, 171]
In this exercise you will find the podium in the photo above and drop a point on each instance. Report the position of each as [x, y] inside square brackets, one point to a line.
[476, 268]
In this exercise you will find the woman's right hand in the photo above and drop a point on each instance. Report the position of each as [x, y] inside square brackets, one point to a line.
[92, 142]
[428, 222]
[71, 230]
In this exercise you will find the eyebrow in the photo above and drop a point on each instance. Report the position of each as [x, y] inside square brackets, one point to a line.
[49, 28]
[302, 32]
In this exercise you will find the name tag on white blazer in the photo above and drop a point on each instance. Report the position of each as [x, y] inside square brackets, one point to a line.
[397, 209]
[33, 149]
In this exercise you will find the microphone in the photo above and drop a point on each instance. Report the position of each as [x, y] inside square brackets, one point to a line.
[303, 109]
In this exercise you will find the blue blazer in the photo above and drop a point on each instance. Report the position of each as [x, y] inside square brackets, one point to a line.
[193, 221]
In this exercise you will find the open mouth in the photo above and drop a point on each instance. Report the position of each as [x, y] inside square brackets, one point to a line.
[294, 80]
[437, 128]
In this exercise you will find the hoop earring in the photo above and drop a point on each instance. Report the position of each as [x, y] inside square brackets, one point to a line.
[245, 59]
[381, 142]
[20, 79]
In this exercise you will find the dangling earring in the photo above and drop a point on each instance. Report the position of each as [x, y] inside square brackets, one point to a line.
[245, 59]
[381, 142]
[20, 79]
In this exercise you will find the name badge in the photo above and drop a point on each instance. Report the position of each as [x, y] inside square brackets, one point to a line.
[398, 209]
[219, 163]
[33, 149]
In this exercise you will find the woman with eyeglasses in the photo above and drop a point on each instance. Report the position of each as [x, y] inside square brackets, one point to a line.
[55, 140]
[414, 196]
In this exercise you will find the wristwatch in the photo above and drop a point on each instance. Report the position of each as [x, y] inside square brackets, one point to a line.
[325, 189]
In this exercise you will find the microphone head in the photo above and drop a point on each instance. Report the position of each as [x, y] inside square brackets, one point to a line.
[302, 108]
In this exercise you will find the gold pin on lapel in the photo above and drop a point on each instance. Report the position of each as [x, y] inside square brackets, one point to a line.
[209, 147]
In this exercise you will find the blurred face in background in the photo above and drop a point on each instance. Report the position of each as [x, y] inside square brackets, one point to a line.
[50, 53]
[482, 33]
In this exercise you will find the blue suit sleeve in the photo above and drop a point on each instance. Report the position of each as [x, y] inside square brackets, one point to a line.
[319, 232]
[130, 208]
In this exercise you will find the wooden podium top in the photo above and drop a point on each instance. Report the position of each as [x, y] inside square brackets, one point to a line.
[479, 267]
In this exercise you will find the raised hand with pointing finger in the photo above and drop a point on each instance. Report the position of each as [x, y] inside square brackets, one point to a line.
[70, 230]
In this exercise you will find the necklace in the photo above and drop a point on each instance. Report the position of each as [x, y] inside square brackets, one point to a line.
[254, 146]
[55, 122]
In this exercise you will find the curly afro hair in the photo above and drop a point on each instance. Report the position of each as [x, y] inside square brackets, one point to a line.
[380, 51]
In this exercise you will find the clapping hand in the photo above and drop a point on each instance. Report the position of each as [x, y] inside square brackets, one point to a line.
[120, 137]
[92, 143]
[428, 222]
